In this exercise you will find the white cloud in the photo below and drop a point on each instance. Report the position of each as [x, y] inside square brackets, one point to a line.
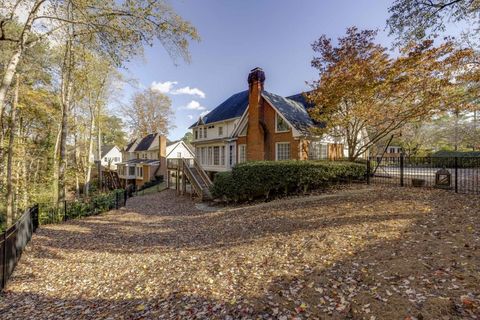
[204, 113]
[190, 116]
[163, 87]
[168, 87]
[190, 91]
[194, 105]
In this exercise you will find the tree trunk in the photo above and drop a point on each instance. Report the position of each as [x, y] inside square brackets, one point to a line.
[11, 68]
[89, 153]
[99, 148]
[76, 156]
[475, 129]
[457, 115]
[67, 87]
[55, 164]
[10, 213]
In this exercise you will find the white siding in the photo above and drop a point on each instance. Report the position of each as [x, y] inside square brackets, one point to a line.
[113, 157]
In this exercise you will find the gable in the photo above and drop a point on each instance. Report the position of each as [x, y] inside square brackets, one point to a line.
[115, 151]
[146, 142]
[292, 111]
[180, 146]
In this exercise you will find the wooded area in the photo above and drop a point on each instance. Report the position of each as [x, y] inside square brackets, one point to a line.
[59, 65]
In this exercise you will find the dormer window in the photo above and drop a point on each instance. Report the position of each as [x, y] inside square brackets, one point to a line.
[220, 131]
[280, 124]
[196, 134]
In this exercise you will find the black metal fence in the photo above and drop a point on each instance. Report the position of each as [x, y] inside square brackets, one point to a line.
[14, 240]
[459, 174]
[16, 237]
[67, 210]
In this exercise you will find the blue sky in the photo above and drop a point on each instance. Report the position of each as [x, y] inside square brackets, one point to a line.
[240, 35]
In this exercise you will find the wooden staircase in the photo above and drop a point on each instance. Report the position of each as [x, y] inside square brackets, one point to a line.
[111, 180]
[198, 179]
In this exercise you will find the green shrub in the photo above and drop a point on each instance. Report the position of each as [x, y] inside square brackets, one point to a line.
[78, 209]
[264, 178]
[469, 159]
[105, 202]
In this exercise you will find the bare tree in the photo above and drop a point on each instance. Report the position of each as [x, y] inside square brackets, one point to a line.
[149, 112]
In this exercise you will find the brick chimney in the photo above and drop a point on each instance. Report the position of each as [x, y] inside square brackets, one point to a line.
[255, 135]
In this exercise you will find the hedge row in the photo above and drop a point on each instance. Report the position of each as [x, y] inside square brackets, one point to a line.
[468, 159]
[264, 178]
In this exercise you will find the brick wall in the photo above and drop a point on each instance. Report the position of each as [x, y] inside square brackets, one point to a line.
[266, 150]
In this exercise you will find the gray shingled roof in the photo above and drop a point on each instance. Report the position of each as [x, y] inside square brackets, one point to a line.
[146, 142]
[139, 161]
[293, 111]
[293, 108]
[233, 107]
[106, 149]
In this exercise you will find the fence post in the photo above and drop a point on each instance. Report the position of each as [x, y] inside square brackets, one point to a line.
[65, 210]
[402, 165]
[368, 170]
[116, 200]
[35, 218]
[125, 195]
[456, 174]
[4, 269]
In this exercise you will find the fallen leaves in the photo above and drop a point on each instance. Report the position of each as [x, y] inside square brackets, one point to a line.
[368, 254]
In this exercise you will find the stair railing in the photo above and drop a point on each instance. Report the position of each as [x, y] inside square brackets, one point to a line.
[202, 172]
[193, 180]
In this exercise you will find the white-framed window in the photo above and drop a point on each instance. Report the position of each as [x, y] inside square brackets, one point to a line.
[282, 151]
[222, 156]
[242, 153]
[179, 155]
[230, 156]
[200, 131]
[317, 150]
[210, 156]
[195, 134]
[220, 131]
[139, 171]
[204, 156]
[280, 124]
[205, 132]
[131, 171]
[216, 156]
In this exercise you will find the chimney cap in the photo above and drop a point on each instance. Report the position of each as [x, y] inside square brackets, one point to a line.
[256, 75]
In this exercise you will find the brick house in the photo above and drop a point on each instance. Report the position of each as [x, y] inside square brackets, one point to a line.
[258, 125]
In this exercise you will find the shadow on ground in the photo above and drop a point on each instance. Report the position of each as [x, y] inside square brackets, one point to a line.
[391, 253]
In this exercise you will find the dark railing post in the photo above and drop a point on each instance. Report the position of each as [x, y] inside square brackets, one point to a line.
[65, 210]
[456, 174]
[116, 200]
[125, 195]
[4, 269]
[35, 217]
[402, 167]
[368, 170]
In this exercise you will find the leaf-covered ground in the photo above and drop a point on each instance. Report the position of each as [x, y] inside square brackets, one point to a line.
[371, 253]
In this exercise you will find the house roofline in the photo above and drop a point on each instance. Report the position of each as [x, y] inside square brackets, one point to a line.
[206, 124]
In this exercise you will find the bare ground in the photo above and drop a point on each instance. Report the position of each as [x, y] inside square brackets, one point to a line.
[375, 253]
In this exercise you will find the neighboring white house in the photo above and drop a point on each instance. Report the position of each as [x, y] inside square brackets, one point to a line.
[179, 149]
[111, 156]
